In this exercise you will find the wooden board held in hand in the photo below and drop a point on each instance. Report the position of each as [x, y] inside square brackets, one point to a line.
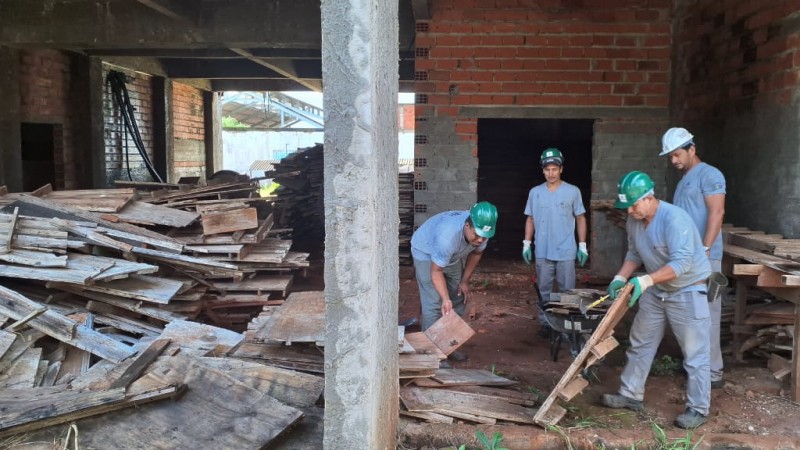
[449, 332]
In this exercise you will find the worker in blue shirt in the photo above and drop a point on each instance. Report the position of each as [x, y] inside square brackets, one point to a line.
[701, 193]
[554, 208]
[446, 250]
[663, 238]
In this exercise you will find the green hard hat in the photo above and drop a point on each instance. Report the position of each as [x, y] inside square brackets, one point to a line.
[484, 219]
[633, 186]
[551, 156]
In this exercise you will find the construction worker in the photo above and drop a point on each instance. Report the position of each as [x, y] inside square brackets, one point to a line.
[553, 209]
[673, 291]
[701, 193]
[446, 250]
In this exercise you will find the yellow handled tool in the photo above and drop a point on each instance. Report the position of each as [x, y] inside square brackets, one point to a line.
[585, 308]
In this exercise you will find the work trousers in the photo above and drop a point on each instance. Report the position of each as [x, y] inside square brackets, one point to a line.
[715, 308]
[428, 297]
[688, 315]
[549, 271]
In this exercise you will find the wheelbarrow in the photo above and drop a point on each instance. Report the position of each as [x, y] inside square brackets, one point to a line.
[571, 327]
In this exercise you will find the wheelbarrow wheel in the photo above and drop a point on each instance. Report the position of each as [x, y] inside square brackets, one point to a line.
[555, 344]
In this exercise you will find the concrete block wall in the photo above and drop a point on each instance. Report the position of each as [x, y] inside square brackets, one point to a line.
[189, 132]
[140, 91]
[605, 60]
[45, 85]
[736, 88]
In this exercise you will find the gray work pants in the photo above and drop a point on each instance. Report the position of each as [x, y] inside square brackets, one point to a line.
[715, 309]
[428, 297]
[548, 271]
[688, 316]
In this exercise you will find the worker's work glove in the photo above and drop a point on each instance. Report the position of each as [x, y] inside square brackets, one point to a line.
[583, 254]
[640, 284]
[616, 284]
[526, 252]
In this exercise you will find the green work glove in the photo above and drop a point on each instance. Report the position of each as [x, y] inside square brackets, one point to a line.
[583, 254]
[616, 284]
[526, 252]
[640, 284]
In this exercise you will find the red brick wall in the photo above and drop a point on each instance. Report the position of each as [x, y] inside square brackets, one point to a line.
[44, 98]
[533, 52]
[406, 119]
[189, 129]
[140, 91]
[735, 51]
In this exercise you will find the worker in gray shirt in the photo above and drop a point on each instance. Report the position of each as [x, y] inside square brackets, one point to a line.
[701, 193]
[663, 238]
[554, 209]
[446, 250]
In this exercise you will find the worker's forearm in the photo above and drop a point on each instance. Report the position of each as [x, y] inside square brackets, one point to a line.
[713, 227]
[472, 263]
[627, 269]
[529, 228]
[663, 275]
[580, 223]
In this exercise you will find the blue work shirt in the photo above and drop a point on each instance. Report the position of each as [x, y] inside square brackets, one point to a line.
[554, 216]
[670, 239]
[690, 195]
[441, 239]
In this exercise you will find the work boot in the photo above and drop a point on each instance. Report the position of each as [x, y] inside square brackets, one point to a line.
[717, 384]
[545, 332]
[618, 401]
[457, 356]
[690, 419]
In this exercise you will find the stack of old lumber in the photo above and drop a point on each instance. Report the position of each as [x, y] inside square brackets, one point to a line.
[292, 336]
[225, 276]
[50, 375]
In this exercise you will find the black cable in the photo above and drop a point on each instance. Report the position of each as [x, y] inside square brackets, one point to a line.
[119, 92]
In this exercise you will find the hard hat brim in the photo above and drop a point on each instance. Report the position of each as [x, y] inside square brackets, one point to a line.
[485, 234]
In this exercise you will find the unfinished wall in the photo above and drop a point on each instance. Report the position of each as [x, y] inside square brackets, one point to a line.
[736, 89]
[189, 157]
[602, 60]
[122, 157]
[45, 90]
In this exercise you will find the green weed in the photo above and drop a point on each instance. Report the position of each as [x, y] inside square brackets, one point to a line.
[666, 365]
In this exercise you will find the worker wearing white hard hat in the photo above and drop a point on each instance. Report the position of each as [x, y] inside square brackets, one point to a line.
[701, 193]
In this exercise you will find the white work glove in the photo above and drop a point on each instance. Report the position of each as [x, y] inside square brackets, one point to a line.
[526, 251]
[640, 284]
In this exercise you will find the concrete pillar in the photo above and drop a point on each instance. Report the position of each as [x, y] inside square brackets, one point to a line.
[10, 122]
[97, 124]
[212, 113]
[359, 69]
[161, 124]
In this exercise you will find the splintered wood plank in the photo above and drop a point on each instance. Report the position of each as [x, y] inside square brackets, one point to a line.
[7, 231]
[6, 340]
[602, 349]
[227, 221]
[95, 200]
[509, 395]
[440, 400]
[199, 339]
[34, 258]
[80, 269]
[262, 283]
[137, 365]
[427, 416]
[217, 411]
[148, 214]
[574, 388]
[412, 363]
[137, 307]
[288, 386]
[449, 332]
[22, 373]
[423, 345]
[297, 357]
[466, 377]
[301, 318]
[137, 287]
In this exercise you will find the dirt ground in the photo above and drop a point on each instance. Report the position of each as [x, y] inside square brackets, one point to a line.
[752, 404]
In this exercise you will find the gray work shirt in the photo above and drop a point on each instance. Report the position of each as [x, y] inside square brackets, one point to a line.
[554, 220]
[690, 195]
[670, 239]
[441, 239]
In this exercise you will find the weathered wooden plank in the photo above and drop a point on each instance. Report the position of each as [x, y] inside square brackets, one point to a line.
[300, 319]
[145, 213]
[449, 332]
[22, 373]
[33, 258]
[467, 377]
[7, 232]
[199, 339]
[227, 221]
[137, 287]
[139, 364]
[422, 399]
[197, 264]
[572, 389]
[6, 340]
[423, 345]
[217, 411]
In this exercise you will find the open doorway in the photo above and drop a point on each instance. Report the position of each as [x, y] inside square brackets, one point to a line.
[38, 155]
[508, 167]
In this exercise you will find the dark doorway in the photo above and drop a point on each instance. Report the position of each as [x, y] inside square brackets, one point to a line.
[508, 167]
[38, 155]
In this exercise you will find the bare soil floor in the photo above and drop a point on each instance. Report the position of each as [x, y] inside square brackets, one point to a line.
[752, 403]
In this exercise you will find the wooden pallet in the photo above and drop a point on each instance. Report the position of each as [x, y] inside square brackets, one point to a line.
[599, 344]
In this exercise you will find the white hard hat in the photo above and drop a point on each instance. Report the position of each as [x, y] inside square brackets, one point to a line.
[674, 139]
